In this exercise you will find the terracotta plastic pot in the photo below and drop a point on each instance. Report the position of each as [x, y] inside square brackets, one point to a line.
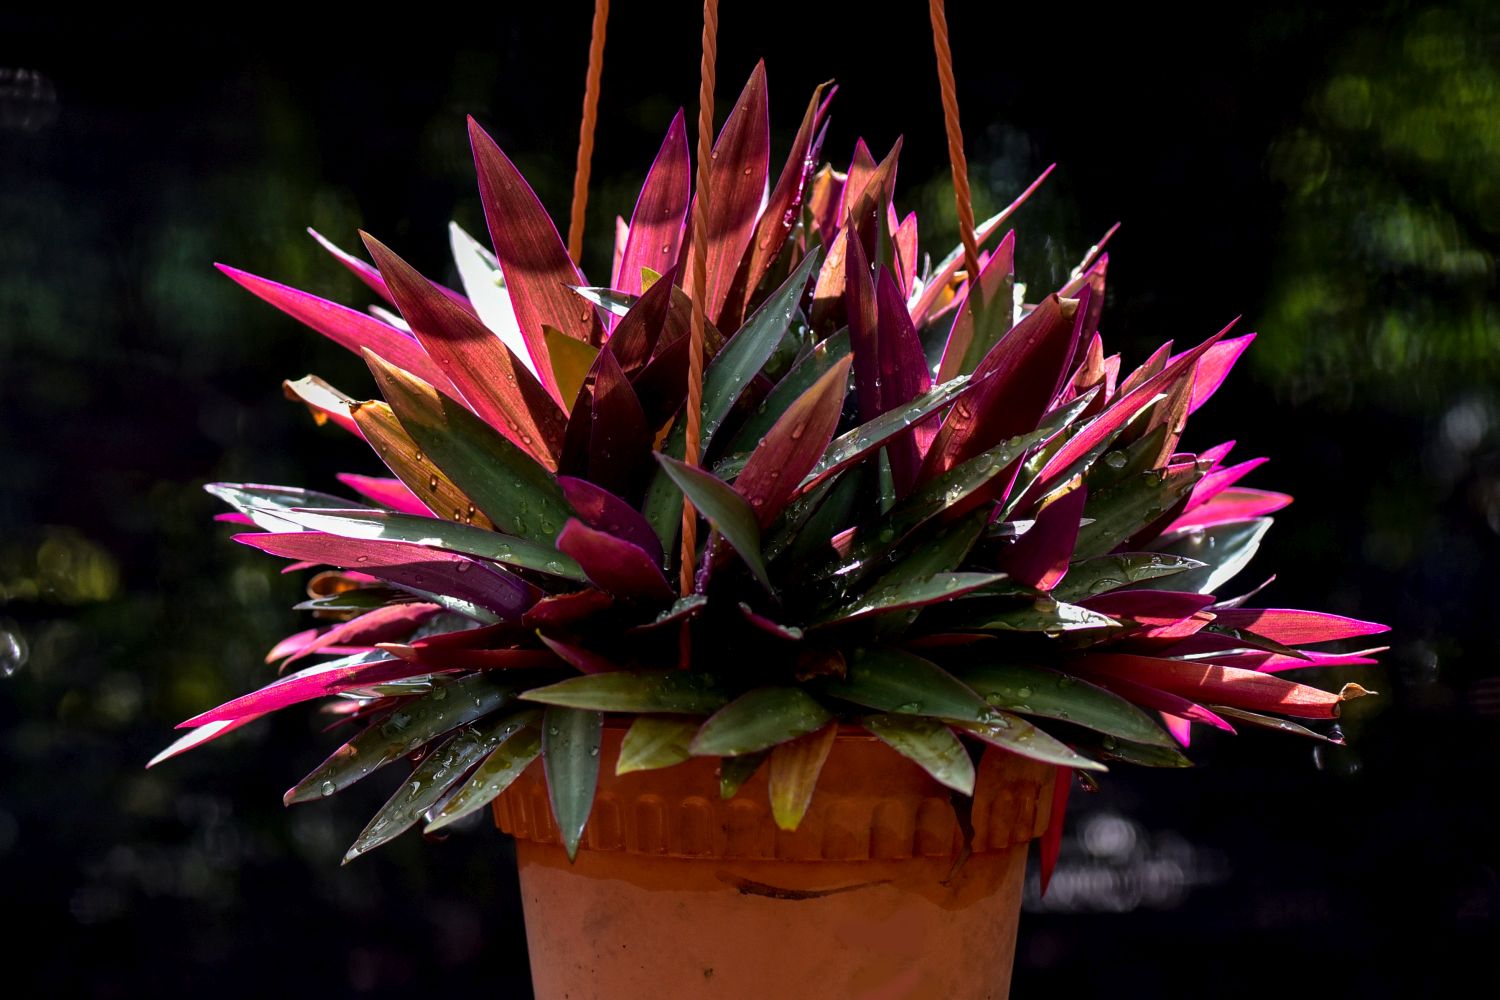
[677, 893]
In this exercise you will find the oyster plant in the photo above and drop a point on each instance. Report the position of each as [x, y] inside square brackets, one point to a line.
[934, 509]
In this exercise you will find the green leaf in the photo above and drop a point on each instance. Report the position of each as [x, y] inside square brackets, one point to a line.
[677, 692]
[1013, 733]
[265, 504]
[518, 742]
[729, 513]
[933, 498]
[439, 771]
[893, 680]
[758, 720]
[406, 729]
[1269, 722]
[930, 744]
[1225, 549]
[516, 493]
[1101, 574]
[662, 507]
[853, 445]
[795, 766]
[1140, 754]
[570, 757]
[653, 742]
[735, 771]
[910, 594]
[439, 534]
[1042, 615]
[1055, 695]
[358, 599]
[801, 378]
[744, 354]
[1125, 509]
[571, 361]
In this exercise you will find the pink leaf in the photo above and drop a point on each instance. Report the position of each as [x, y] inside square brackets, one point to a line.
[1271, 663]
[305, 685]
[1051, 846]
[390, 493]
[1231, 505]
[985, 315]
[1200, 682]
[1293, 628]
[349, 329]
[585, 660]
[394, 621]
[1214, 368]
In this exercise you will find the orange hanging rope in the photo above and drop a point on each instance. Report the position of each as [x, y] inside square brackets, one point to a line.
[700, 279]
[586, 132]
[956, 156]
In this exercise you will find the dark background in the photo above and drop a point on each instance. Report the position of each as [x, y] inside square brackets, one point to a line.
[1332, 176]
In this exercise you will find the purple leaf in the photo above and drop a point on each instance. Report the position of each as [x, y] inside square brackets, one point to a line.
[1293, 627]
[538, 272]
[405, 565]
[563, 610]
[349, 329]
[1039, 558]
[391, 493]
[619, 450]
[614, 565]
[656, 224]
[783, 209]
[603, 511]
[640, 329]
[793, 445]
[983, 318]
[1018, 378]
[741, 163]
[496, 384]
[788, 632]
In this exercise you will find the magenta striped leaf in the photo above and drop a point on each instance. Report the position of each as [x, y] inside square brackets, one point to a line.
[1271, 663]
[1231, 505]
[361, 269]
[314, 682]
[346, 327]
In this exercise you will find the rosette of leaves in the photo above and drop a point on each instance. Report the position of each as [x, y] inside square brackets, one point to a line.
[933, 510]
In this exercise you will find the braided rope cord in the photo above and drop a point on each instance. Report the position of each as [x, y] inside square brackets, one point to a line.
[960, 163]
[586, 132]
[700, 279]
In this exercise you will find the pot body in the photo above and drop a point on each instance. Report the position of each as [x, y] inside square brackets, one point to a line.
[678, 893]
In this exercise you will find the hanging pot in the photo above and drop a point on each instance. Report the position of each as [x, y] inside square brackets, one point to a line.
[679, 893]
